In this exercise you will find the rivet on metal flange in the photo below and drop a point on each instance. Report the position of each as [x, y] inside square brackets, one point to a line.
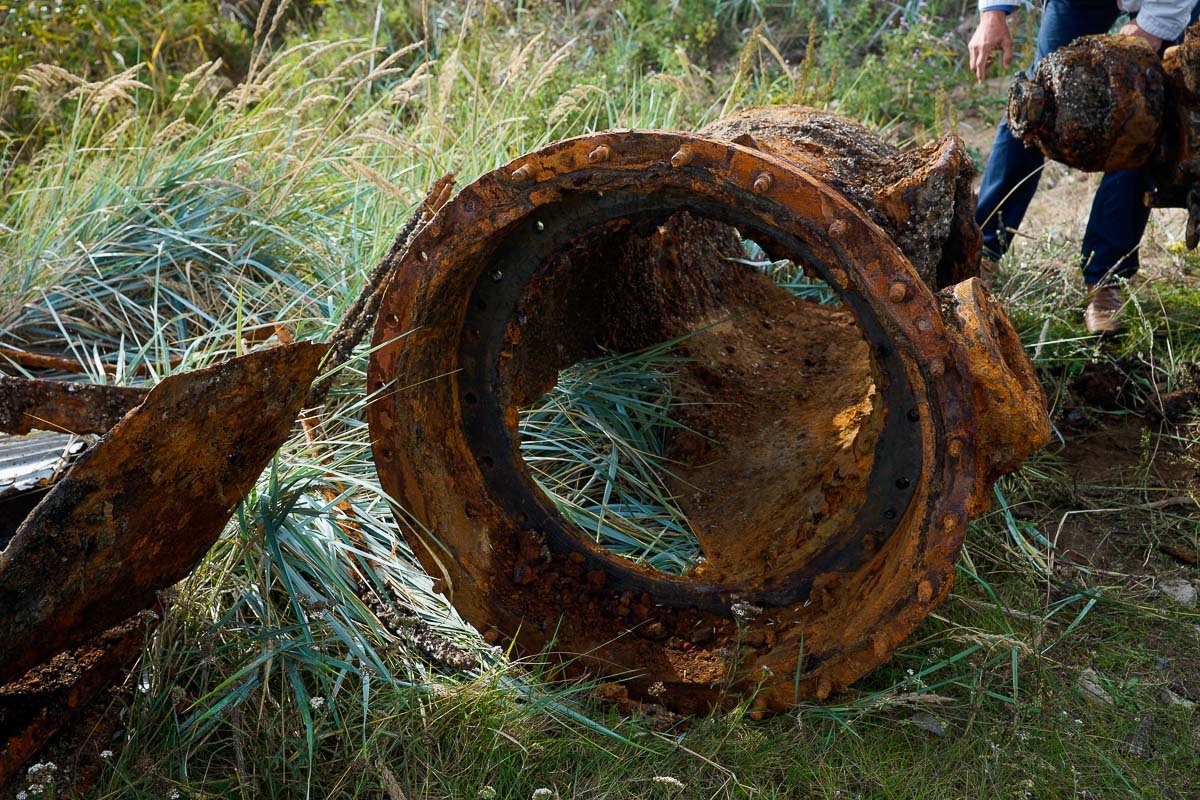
[924, 592]
[955, 448]
[950, 522]
[522, 173]
[600, 154]
[937, 367]
[824, 689]
[898, 292]
[762, 184]
[838, 275]
[837, 228]
[683, 156]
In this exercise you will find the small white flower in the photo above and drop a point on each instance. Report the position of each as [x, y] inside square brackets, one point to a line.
[174, 795]
[486, 793]
[36, 789]
[745, 610]
[667, 780]
[541, 794]
[316, 703]
[106, 754]
[22, 795]
[910, 672]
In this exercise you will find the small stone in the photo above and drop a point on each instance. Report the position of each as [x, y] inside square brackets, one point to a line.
[1138, 744]
[1179, 590]
[929, 723]
[1172, 699]
[1090, 686]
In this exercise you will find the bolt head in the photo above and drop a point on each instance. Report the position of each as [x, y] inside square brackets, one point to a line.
[898, 292]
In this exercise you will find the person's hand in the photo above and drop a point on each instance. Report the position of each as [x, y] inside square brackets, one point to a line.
[1131, 28]
[991, 35]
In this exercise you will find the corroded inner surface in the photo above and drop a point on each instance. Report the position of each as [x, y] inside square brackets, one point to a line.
[776, 393]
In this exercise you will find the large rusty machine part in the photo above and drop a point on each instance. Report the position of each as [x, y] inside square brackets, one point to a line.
[1106, 103]
[832, 455]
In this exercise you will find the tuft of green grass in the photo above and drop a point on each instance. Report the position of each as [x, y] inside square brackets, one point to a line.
[595, 443]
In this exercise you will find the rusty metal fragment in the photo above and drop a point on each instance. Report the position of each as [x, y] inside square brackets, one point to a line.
[1106, 103]
[922, 197]
[143, 505]
[66, 406]
[36, 707]
[842, 448]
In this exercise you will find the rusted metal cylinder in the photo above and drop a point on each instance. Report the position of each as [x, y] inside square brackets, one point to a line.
[848, 446]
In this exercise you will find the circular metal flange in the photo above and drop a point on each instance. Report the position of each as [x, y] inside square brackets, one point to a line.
[445, 441]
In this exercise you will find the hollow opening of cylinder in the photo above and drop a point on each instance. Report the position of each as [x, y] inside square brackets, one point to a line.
[686, 396]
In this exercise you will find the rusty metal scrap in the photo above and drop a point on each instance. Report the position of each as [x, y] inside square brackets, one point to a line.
[142, 506]
[66, 406]
[844, 448]
[1107, 103]
[37, 706]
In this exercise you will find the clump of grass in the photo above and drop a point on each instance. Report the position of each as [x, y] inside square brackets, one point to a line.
[596, 444]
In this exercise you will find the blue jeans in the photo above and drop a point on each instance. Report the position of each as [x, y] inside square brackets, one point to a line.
[1119, 213]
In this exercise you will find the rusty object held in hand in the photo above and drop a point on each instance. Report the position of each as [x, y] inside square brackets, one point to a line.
[832, 454]
[1107, 103]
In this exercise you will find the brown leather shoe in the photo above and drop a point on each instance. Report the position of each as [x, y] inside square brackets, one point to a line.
[1103, 314]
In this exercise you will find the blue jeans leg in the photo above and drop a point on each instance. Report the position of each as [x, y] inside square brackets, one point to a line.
[1011, 177]
[1115, 226]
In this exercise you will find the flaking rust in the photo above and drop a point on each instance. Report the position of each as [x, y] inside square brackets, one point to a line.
[832, 456]
[133, 515]
[1107, 103]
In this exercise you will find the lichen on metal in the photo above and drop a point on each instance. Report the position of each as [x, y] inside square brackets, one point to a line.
[838, 451]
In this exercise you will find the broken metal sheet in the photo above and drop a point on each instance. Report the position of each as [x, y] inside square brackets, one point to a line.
[38, 705]
[34, 461]
[143, 505]
[65, 406]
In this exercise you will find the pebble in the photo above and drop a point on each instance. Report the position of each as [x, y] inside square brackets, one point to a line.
[1180, 590]
[1089, 684]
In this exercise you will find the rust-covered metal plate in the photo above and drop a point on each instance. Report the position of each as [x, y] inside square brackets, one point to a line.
[142, 506]
[806, 588]
[65, 406]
